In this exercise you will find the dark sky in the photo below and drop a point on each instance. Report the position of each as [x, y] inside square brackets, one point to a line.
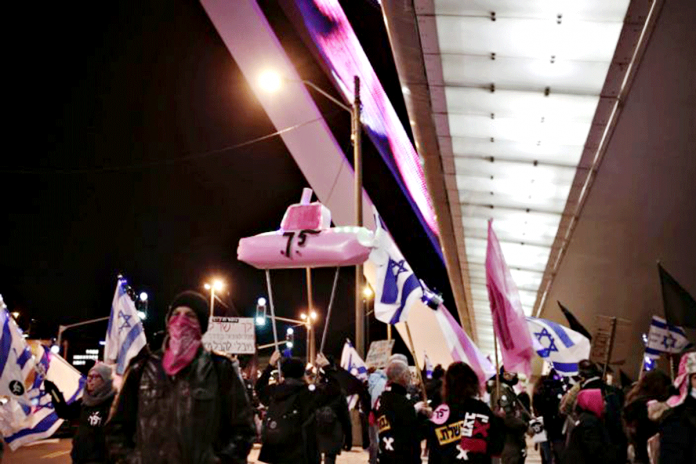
[115, 110]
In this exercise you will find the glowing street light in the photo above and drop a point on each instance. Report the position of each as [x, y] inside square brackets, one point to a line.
[55, 349]
[216, 286]
[313, 316]
[15, 314]
[143, 297]
[270, 81]
[142, 315]
[367, 292]
[303, 316]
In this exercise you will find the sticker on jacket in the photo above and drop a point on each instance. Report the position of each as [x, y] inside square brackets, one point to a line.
[383, 424]
[472, 431]
[441, 414]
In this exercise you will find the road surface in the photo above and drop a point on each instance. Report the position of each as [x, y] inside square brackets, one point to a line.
[58, 452]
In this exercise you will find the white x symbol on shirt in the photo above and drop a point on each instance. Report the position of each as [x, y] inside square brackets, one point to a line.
[388, 441]
[463, 454]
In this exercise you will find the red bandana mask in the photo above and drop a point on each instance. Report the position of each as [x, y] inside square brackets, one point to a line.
[184, 341]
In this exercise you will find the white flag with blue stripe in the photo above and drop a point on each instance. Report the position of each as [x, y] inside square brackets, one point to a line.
[353, 363]
[559, 346]
[397, 288]
[16, 362]
[24, 424]
[665, 338]
[125, 336]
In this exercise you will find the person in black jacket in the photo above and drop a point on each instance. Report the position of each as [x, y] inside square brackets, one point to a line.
[183, 404]
[92, 410]
[289, 433]
[400, 423]
[678, 425]
[654, 385]
[334, 429]
[590, 442]
[463, 428]
[546, 399]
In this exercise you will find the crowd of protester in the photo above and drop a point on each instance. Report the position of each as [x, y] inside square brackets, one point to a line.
[185, 404]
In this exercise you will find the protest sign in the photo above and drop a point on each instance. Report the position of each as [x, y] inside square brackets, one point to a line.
[232, 335]
[378, 355]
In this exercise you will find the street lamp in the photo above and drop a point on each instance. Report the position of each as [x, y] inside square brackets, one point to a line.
[15, 314]
[271, 82]
[216, 286]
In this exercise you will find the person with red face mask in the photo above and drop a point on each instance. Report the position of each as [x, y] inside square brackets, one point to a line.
[182, 404]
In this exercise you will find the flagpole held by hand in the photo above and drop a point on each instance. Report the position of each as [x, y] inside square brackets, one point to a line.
[275, 330]
[497, 368]
[415, 360]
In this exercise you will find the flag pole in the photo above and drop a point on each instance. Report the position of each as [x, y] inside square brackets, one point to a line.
[671, 366]
[610, 348]
[328, 311]
[415, 359]
[275, 330]
[497, 368]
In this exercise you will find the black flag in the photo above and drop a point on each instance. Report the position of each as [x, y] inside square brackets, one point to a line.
[574, 323]
[680, 307]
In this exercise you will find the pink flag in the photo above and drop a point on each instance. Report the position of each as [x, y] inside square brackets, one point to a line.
[461, 346]
[508, 318]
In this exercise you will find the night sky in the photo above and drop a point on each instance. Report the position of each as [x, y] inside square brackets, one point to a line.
[120, 116]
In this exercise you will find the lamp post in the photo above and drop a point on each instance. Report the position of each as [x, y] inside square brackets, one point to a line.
[271, 82]
[216, 286]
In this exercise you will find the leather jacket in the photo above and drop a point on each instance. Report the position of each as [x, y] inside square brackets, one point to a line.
[199, 416]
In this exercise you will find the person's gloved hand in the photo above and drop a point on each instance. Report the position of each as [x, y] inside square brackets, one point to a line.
[423, 408]
[52, 390]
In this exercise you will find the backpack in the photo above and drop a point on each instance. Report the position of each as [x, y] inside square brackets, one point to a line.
[282, 425]
[326, 417]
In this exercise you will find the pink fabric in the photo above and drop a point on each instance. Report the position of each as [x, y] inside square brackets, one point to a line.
[509, 320]
[687, 366]
[184, 341]
[592, 401]
[460, 344]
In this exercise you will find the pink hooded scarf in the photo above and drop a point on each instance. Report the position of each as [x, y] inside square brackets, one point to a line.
[591, 401]
[687, 366]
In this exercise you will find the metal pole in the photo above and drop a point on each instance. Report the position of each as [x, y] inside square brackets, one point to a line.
[275, 330]
[389, 335]
[357, 166]
[671, 366]
[497, 370]
[328, 311]
[415, 360]
[212, 300]
[607, 358]
[311, 355]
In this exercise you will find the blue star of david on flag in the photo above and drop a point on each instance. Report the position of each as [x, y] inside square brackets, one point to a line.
[126, 320]
[668, 341]
[551, 348]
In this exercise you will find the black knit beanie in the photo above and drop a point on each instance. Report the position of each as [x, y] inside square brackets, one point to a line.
[293, 368]
[197, 302]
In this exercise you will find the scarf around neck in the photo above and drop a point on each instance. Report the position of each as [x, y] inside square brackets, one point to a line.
[182, 344]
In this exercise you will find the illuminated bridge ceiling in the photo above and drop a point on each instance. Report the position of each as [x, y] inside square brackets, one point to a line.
[520, 95]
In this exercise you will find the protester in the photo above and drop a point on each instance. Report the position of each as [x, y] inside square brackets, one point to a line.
[376, 383]
[182, 404]
[546, 398]
[289, 432]
[678, 419]
[515, 419]
[589, 442]
[400, 423]
[433, 387]
[653, 386]
[463, 428]
[92, 410]
[334, 429]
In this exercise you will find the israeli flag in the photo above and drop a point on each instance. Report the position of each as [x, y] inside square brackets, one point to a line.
[665, 338]
[428, 366]
[397, 288]
[24, 424]
[559, 346]
[16, 362]
[125, 336]
[353, 363]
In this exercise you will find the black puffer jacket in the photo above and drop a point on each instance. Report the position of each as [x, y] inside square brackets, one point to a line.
[400, 428]
[678, 434]
[307, 399]
[465, 432]
[89, 444]
[199, 416]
